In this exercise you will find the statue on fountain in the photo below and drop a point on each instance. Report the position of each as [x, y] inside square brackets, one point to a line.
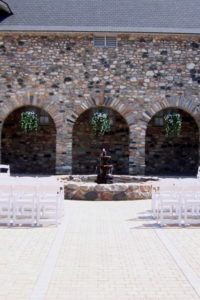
[104, 168]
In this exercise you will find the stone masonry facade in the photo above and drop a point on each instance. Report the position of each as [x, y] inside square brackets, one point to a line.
[65, 75]
[173, 155]
[32, 152]
[87, 145]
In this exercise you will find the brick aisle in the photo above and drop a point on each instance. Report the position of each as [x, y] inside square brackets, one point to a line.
[109, 251]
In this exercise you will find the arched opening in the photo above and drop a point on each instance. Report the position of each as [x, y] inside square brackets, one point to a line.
[172, 156]
[87, 146]
[32, 152]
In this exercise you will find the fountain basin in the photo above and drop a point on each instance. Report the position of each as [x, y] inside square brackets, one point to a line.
[124, 188]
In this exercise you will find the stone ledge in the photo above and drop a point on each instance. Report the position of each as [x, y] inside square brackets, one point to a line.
[116, 191]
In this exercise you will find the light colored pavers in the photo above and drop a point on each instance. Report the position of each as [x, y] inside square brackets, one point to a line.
[22, 255]
[110, 253]
[187, 242]
[183, 265]
[104, 251]
[49, 265]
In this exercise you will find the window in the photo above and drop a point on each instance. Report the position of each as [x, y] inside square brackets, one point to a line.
[159, 119]
[43, 118]
[105, 41]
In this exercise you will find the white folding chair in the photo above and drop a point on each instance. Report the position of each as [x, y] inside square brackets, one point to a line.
[169, 209]
[48, 204]
[191, 209]
[5, 204]
[24, 204]
[61, 193]
[155, 202]
[157, 192]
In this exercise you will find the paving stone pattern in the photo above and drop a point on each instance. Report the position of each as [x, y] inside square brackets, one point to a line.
[110, 250]
[22, 255]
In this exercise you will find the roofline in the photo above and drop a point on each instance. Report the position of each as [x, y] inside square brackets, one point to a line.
[21, 28]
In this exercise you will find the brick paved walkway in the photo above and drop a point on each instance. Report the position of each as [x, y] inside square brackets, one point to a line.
[103, 251]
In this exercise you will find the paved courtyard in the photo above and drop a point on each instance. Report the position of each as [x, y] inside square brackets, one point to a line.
[102, 251]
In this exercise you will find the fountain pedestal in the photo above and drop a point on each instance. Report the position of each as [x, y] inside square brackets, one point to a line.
[104, 169]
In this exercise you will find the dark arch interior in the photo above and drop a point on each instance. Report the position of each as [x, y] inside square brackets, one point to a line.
[33, 152]
[174, 156]
[87, 147]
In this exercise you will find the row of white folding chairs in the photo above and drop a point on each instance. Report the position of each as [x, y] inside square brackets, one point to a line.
[26, 203]
[175, 190]
[175, 207]
[34, 204]
[157, 193]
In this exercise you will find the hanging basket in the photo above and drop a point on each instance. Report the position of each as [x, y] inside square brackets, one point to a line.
[100, 122]
[172, 124]
[29, 121]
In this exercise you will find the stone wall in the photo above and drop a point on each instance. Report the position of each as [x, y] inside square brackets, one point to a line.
[87, 146]
[65, 75]
[116, 191]
[28, 152]
[176, 155]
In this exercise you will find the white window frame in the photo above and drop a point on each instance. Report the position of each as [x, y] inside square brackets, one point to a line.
[105, 41]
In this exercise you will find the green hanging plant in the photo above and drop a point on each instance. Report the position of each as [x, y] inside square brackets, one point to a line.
[172, 124]
[101, 122]
[29, 121]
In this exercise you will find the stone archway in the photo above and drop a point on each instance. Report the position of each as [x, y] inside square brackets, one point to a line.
[175, 156]
[32, 152]
[87, 147]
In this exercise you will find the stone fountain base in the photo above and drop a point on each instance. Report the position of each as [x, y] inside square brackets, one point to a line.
[123, 188]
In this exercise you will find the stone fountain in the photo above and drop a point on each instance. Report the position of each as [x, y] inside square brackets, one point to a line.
[106, 186]
[104, 169]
